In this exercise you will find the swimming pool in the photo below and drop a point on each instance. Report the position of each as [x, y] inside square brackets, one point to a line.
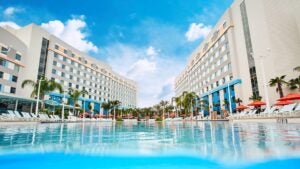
[149, 145]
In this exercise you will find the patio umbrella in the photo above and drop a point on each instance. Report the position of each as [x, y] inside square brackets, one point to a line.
[282, 103]
[291, 96]
[257, 103]
[242, 107]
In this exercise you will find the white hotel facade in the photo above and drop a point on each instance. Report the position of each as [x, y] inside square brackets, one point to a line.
[254, 41]
[31, 52]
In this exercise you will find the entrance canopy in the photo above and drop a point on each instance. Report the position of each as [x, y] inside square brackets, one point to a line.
[8, 98]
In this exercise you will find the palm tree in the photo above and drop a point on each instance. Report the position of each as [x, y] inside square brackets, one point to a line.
[297, 69]
[255, 97]
[179, 102]
[278, 82]
[294, 84]
[190, 101]
[46, 86]
[74, 95]
[106, 106]
[163, 105]
[239, 101]
[115, 104]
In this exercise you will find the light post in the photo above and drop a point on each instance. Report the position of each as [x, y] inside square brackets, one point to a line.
[63, 107]
[264, 82]
[229, 98]
[38, 98]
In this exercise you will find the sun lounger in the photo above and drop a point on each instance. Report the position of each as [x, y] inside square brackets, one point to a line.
[287, 109]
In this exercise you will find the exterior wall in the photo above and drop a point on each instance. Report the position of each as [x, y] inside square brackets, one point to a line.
[72, 68]
[275, 39]
[12, 56]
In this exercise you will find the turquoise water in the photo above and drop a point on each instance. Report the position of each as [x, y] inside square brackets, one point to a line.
[150, 145]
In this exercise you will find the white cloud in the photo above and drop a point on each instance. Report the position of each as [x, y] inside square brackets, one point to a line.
[141, 68]
[155, 81]
[10, 23]
[9, 11]
[71, 32]
[197, 31]
[151, 51]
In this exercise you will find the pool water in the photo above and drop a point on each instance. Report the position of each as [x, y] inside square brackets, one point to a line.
[150, 145]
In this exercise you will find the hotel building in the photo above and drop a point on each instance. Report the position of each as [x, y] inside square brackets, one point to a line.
[254, 41]
[31, 52]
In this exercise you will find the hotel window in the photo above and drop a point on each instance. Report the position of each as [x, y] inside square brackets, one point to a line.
[229, 66]
[4, 50]
[12, 90]
[65, 51]
[64, 59]
[1, 75]
[53, 71]
[18, 57]
[73, 55]
[56, 47]
[3, 62]
[77, 86]
[62, 74]
[14, 78]
[54, 63]
[225, 57]
[63, 66]
[71, 77]
[224, 25]
[70, 84]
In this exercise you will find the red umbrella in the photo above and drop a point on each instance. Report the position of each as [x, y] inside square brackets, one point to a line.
[291, 96]
[257, 103]
[282, 103]
[242, 107]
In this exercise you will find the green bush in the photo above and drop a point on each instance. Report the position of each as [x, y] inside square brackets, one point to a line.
[119, 119]
[159, 119]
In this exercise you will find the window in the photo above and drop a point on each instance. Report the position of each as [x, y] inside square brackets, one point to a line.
[64, 59]
[2, 62]
[13, 90]
[1, 75]
[18, 57]
[62, 74]
[54, 63]
[53, 71]
[4, 50]
[65, 51]
[63, 66]
[14, 78]
[224, 24]
[73, 55]
[56, 47]
[77, 86]
[70, 84]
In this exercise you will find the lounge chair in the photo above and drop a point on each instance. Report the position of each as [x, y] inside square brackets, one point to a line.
[287, 109]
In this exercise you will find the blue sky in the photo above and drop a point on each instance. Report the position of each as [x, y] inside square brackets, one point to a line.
[148, 41]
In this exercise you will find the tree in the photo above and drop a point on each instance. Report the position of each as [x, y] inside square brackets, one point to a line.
[294, 84]
[163, 105]
[239, 101]
[255, 97]
[115, 104]
[297, 69]
[179, 103]
[46, 86]
[106, 106]
[278, 82]
[74, 95]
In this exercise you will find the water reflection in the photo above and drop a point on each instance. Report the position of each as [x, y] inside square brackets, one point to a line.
[221, 140]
